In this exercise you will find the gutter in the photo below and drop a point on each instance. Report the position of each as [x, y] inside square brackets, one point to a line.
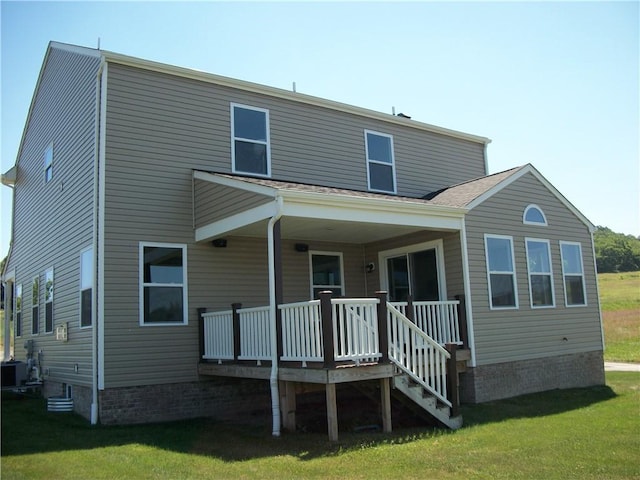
[273, 379]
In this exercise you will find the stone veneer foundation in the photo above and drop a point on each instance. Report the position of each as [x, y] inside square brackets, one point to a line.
[503, 380]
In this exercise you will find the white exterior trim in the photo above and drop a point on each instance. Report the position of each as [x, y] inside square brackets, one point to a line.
[378, 162]
[234, 183]
[233, 222]
[234, 137]
[584, 280]
[100, 251]
[467, 292]
[528, 222]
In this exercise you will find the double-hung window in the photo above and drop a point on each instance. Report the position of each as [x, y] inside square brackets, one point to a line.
[250, 148]
[35, 305]
[503, 292]
[380, 162]
[163, 284]
[48, 301]
[48, 164]
[540, 274]
[86, 287]
[573, 274]
[18, 310]
[326, 273]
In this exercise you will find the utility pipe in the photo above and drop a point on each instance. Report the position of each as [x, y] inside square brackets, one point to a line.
[273, 379]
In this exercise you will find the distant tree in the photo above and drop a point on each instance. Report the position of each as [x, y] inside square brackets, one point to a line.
[616, 252]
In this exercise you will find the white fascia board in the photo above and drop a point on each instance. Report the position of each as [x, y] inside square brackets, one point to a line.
[532, 170]
[354, 209]
[9, 177]
[233, 183]
[285, 94]
[236, 221]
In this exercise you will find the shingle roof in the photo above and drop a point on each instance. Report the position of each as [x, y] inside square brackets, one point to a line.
[463, 194]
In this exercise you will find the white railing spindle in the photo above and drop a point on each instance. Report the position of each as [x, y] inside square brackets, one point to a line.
[218, 335]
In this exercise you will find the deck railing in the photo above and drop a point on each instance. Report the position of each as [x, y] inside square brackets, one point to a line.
[255, 334]
[218, 335]
[439, 320]
[301, 332]
[417, 354]
[355, 329]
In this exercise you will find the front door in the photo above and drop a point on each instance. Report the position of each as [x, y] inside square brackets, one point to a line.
[414, 272]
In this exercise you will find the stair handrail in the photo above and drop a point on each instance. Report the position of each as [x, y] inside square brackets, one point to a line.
[414, 352]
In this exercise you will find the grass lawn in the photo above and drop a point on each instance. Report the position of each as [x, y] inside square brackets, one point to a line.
[589, 433]
[620, 301]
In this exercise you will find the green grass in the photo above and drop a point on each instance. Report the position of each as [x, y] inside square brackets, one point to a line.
[620, 301]
[589, 433]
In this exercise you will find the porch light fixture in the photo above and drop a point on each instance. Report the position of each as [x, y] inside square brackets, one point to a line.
[219, 243]
[302, 247]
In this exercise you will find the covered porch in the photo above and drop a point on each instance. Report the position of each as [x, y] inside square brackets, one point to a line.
[352, 246]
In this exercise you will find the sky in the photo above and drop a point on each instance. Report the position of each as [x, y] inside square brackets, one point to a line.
[551, 84]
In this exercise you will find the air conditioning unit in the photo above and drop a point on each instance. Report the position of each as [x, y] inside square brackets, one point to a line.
[14, 374]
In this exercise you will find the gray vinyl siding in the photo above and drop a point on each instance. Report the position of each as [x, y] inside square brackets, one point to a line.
[526, 333]
[214, 202]
[187, 123]
[53, 221]
[159, 128]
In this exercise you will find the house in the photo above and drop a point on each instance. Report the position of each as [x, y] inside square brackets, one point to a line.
[185, 244]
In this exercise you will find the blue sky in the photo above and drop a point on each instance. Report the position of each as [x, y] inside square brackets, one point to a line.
[552, 84]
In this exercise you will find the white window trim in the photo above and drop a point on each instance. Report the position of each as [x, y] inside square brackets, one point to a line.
[528, 222]
[44, 294]
[232, 106]
[438, 245]
[564, 283]
[489, 272]
[50, 165]
[550, 274]
[370, 161]
[329, 254]
[141, 284]
[80, 289]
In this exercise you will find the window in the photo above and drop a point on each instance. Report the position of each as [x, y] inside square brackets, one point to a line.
[35, 306]
[86, 287]
[573, 274]
[18, 310]
[163, 284]
[250, 149]
[501, 272]
[48, 164]
[380, 164]
[326, 273]
[48, 301]
[540, 275]
[533, 215]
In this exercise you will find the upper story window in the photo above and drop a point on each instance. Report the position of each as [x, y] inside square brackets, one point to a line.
[48, 163]
[573, 274]
[380, 163]
[533, 215]
[501, 271]
[163, 284]
[250, 148]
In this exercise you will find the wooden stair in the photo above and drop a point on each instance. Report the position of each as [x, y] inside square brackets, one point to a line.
[427, 402]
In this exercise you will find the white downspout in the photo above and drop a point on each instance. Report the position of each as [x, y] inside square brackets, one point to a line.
[96, 252]
[273, 379]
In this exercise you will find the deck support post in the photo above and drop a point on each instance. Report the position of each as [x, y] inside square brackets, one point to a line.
[452, 378]
[201, 332]
[326, 312]
[462, 321]
[385, 401]
[236, 329]
[383, 334]
[332, 412]
[288, 405]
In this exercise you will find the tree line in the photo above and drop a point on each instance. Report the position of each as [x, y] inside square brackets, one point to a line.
[616, 252]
